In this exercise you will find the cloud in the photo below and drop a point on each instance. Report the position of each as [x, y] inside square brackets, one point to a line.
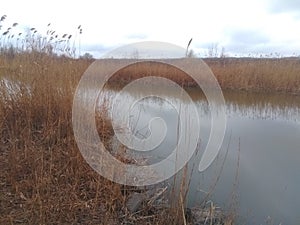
[246, 40]
[284, 6]
[252, 41]
[148, 50]
[263, 48]
[136, 36]
[248, 37]
[238, 40]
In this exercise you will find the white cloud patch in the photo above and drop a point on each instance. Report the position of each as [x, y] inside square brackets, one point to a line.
[256, 25]
[284, 6]
[248, 37]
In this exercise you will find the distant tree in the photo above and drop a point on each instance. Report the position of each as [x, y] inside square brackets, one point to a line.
[213, 50]
[135, 54]
[223, 54]
[87, 56]
[191, 54]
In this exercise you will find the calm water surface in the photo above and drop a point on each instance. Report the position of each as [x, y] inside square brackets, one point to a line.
[257, 170]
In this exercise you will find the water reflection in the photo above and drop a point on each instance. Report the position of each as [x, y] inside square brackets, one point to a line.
[273, 106]
[257, 169]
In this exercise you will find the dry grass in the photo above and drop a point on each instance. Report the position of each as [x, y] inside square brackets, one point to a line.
[43, 177]
[258, 75]
[248, 74]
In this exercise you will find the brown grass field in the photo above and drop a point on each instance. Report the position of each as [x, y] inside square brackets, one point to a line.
[43, 177]
[238, 74]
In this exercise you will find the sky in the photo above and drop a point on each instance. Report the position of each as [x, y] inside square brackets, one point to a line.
[250, 27]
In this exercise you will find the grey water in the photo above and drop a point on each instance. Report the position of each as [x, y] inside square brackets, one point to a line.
[256, 173]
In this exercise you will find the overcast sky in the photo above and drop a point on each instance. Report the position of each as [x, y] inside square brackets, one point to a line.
[241, 27]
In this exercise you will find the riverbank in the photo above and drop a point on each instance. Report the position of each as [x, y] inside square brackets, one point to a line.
[237, 74]
[281, 75]
[263, 75]
[43, 177]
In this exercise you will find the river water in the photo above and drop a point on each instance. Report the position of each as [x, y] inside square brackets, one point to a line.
[256, 173]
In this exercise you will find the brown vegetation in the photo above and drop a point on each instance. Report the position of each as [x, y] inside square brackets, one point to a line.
[258, 75]
[43, 177]
[247, 74]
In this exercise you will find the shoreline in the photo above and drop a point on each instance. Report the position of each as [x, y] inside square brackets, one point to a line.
[44, 178]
